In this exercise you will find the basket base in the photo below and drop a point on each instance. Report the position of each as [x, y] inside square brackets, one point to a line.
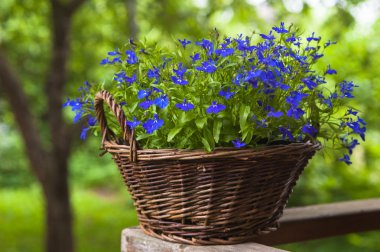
[198, 241]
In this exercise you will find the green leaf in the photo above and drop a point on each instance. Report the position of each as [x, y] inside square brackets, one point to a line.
[186, 117]
[247, 134]
[185, 140]
[173, 132]
[209, 137]
[216, 130]
[206, 145]
[243, 115]
[133, 106]
[200, 122]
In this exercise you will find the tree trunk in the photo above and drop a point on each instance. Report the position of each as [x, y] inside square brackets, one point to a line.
[49, 163]
[132, 24]
[59, 234]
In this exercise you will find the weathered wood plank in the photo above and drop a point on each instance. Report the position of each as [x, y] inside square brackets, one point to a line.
[134, 240]
[325, 220]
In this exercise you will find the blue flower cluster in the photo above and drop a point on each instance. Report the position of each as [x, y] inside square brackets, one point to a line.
[82, 107]
[219, 89]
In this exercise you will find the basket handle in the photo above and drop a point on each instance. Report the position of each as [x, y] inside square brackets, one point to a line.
[108, 134]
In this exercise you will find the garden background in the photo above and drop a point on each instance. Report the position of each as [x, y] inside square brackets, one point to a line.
[101, 207]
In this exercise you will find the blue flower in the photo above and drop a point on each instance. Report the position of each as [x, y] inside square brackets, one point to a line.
[227, 42]
[146, 104]
[269, 37]
[133, 124]
[132, 57]
[313, 38]
[154, 73]
[298, 43]
[185, 106]
[360, 120]
[180, 71]
[111, 62]
[310, 130]
[316, 56]
[165, 60]
[330, 70]
[83, 133]
[157, 90]
[226, 94]
[179, 81]
[350, 146]
[238, 143]
[184, 42]
[329, 100]
[308, 81]
[104, 61]
[224, 52]
[77, 107]
[243, 45]
[355, 126]
[296, 113]
[346, 159]
[162, 101]
[207, 45]
[143, 93]
[295, 98]
[195, 57]
[310, 48]
[131, 79]
[254, 74]
[74, 104]
[239, 79]
[153, 124]
[328, 43]
[286, 133]
[280, 29]
[351, 112]
[114, 53]
[91, 120]
[215, 108]
[275, 114]
[119, 77]
[78, 115]
[122, 77]
[291, 39]
[207, 66]
[346, 88]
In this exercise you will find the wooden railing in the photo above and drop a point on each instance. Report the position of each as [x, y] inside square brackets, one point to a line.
[297, 224]
[325, 220]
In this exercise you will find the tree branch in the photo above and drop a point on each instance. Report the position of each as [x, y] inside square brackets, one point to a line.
[12, 87]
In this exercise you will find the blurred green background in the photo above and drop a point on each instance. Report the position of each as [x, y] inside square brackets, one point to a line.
[102, 206]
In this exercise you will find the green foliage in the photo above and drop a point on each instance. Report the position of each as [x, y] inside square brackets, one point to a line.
[14, 170]
[255, 89]
[100, 217]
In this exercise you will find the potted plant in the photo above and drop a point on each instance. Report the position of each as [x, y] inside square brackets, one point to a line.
[212, 135]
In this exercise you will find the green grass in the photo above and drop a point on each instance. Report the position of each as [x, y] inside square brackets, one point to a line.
[99, 217]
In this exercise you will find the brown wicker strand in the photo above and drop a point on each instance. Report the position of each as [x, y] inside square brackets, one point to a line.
[119, 114]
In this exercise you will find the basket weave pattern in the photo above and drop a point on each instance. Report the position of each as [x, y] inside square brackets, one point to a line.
[190, 196]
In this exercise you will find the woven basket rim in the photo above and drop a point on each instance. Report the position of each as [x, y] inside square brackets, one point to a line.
[192, 154]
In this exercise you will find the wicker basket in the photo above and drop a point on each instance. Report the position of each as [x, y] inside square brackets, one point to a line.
[190, 196]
